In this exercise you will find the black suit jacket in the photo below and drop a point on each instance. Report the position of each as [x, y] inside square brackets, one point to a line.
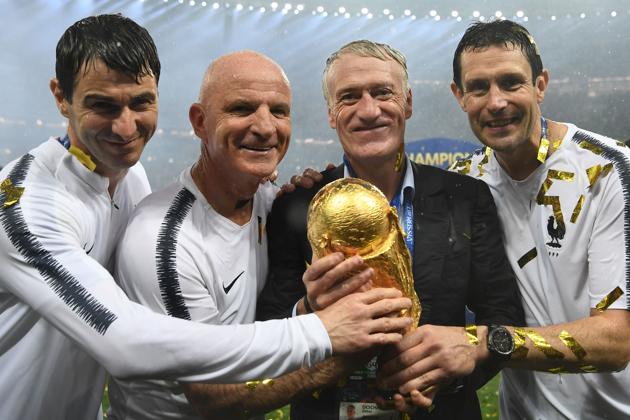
[458, 261]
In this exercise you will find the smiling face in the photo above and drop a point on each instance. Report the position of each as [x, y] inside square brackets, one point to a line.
[244, 116]
[111, 116]
[368, 107]
[501, 100]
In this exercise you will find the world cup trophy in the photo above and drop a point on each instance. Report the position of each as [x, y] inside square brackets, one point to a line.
[353, 217]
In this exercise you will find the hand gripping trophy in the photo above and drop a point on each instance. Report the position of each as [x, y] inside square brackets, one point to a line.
[353, 217]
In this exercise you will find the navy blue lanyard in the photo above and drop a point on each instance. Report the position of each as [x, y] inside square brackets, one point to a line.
[543, 127]
[404, 209]
[65, 142]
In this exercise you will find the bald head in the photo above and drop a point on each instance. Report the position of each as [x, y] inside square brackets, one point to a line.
[240, 65]
[243, 119]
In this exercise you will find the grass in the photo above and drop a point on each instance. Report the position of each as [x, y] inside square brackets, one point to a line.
[488, 399]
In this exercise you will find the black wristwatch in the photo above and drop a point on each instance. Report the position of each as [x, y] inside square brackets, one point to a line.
[500, 343]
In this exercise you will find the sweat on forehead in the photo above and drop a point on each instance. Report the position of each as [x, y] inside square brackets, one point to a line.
[238, 65]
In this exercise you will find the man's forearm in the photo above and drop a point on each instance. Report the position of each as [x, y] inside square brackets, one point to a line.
[598, 343]
[245, 400]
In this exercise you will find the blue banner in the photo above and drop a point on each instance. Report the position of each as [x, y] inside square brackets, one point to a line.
[441, 152]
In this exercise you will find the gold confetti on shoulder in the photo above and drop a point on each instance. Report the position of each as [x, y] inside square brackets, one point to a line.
[543, 149]
[594, 173]
[486, 159]
[84, 158]
[461, 166]
[609, 299]
[12, 194]
[591, 147]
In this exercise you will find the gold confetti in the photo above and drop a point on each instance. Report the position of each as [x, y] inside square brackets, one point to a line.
[589, 369]
[84, 158]
[554, 200]
[520, 350]
[471, 334]
[461, 166]
[543, 190]
[558, 370]
[572, 344]
[556, 144]
[251, 385]
[529, 255]
[543, 149]
[577, 209]
[591, 147]
[541, 344]
[486, 159]
[597, 171]
[12, 194]
[560, 175]
[621, 144]
[609, 299]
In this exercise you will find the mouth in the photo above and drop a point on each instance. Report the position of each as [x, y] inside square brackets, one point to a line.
[369, 128]
[501, 122]
[258, 149]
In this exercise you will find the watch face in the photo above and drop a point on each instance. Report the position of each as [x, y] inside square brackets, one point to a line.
[501, 341]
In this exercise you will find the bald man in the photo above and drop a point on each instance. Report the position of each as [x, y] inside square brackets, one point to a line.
[197, 249]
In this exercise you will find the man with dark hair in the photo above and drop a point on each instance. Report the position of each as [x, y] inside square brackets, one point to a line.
[450, 221]
[63, 206]
[563, 197]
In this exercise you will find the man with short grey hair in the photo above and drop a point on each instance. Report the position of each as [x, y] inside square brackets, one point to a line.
[450, 222]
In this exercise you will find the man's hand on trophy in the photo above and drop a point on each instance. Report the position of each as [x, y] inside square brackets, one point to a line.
[427, 358]
[363, 320]
[332, 277]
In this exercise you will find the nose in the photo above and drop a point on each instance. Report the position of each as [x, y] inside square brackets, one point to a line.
[368, 108]
[496, 99]
[124, 125]
[263, 124]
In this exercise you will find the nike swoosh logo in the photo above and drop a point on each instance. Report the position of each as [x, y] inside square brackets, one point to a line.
[90, 250]
[229, 286]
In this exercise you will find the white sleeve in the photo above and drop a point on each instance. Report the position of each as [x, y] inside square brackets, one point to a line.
[44, 265]
[609, 246]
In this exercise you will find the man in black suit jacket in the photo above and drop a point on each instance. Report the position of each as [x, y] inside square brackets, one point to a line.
[450, 223]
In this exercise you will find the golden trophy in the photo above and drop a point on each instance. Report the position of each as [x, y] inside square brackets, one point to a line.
[353, 217]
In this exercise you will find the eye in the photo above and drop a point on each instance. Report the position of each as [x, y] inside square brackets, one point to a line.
[511, 83]
[141, 104]
[382, 93]
[104, 107]
[241, 109]
[280, 111]
[477, 88]
[348, 98]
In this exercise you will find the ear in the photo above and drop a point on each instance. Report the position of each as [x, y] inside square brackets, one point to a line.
[408, 105]
[60, 100]
[197, 119]
[332, 122]
[541, 84]
[459, 95]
